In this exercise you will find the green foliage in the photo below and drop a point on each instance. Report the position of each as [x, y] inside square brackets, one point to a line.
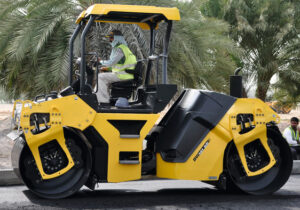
[284, 99]
[268, 31]
[34, 44]
[4, 97]
[214, 8]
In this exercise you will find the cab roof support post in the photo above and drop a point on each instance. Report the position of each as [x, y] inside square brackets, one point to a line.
[71, 47]
[83, 63]
[165, 52]
[152, 46]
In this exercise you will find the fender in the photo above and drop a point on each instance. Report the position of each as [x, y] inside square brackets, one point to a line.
[244, 131]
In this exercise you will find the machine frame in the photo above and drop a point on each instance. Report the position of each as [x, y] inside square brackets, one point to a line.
[71, 140]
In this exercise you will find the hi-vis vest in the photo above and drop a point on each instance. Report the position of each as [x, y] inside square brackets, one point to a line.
[129, 64]
[295, 136]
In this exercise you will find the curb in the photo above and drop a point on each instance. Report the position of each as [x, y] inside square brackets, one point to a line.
[296, 167]
[8, 176]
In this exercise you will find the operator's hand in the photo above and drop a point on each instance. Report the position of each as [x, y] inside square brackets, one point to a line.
[104, 69]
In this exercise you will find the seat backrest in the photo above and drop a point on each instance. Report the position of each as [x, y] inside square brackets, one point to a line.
[138, 74]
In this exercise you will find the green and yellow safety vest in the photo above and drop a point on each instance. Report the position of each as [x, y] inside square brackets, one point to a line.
[129, 64]
[295, 136]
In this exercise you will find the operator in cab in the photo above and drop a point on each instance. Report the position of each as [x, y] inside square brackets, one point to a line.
[113, 70]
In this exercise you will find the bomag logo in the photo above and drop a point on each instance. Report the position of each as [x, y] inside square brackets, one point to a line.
[201, 150]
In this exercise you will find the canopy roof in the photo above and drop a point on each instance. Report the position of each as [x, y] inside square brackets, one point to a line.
[141, 15]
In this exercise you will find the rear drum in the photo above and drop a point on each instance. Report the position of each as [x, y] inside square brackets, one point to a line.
[256, 157]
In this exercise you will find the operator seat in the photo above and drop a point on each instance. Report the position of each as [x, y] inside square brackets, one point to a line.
[126, 88]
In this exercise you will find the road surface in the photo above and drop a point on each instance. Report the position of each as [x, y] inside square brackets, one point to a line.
[158, 194]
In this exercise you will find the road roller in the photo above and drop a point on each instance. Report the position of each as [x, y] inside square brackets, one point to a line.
[67, 139]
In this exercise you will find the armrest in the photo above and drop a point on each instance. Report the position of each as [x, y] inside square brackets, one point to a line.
[129, 71]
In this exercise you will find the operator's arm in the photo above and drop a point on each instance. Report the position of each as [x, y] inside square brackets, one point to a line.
[288, 136]
[115, 57]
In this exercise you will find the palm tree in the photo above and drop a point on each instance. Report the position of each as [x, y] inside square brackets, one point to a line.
[266, 31]
[34, 45]
[289, 86]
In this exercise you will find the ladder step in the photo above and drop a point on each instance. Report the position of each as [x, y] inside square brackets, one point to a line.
[129, 136]
[129, 157]
[129, 162]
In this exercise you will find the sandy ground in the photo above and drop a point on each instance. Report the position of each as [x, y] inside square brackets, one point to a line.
[6, 143]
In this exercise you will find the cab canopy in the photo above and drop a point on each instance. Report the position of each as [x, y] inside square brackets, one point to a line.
[135, 14]
[147, 17]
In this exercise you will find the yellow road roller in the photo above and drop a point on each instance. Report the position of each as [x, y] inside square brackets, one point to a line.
[68, 139]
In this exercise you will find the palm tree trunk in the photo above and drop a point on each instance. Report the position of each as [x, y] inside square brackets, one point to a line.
[244, 93]
[263, 85]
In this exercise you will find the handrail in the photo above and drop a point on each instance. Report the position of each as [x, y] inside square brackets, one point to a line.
[83, 62]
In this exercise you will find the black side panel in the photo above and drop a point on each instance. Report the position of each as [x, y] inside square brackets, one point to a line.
[128, 127]
[158, 96]
[99, 152]
[189, 120]
[91, 100]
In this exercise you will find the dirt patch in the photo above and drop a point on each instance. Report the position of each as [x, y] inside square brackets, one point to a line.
[5, 142]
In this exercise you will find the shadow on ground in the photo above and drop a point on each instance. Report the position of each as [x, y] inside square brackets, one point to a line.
[123, 198]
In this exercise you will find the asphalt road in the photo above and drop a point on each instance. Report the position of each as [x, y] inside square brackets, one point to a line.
[158, 194]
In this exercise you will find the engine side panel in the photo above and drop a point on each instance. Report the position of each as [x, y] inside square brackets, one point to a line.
[189, 121]
[206, 161]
